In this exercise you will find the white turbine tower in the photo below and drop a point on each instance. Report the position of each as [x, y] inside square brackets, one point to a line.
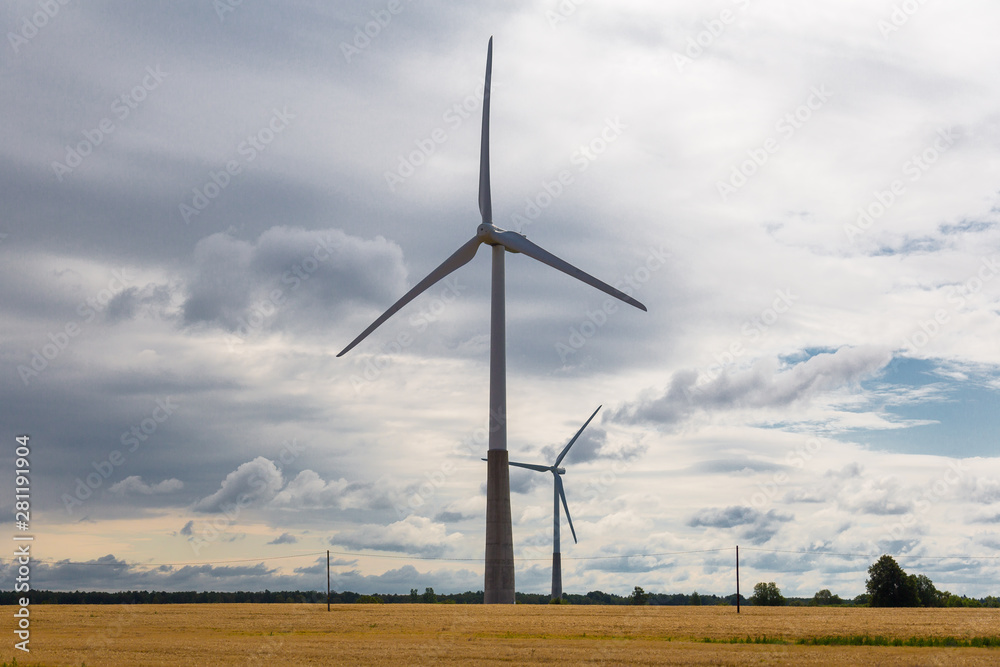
[559, 494]
[499, 576]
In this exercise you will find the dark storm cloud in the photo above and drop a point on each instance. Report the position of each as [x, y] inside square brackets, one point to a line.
[757, 526]
[131, 301]
[289, 278]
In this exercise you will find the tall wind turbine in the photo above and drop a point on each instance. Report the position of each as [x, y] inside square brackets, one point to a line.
[499, 577]
[558, 494]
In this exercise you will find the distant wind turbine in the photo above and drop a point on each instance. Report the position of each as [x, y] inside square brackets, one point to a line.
[559, 494]
[499, 574]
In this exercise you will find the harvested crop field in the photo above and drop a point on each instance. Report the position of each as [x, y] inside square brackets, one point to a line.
[248, 634]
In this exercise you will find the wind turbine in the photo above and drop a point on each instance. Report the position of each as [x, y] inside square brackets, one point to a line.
[558, 494]
[499, 572]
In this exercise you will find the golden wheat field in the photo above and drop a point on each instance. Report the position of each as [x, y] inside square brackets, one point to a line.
[307, 634]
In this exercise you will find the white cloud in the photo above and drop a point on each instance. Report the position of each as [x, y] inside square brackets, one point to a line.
[764, 384]
[254, 482]
[134, 484]
[414, 534]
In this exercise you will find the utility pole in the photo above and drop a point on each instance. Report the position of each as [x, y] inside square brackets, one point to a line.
[737, 578]
[328, 579]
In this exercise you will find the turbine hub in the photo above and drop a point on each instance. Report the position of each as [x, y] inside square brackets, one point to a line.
[487, 232]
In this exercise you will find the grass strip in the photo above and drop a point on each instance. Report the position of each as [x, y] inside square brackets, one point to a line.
[880, 640]
[866, 640]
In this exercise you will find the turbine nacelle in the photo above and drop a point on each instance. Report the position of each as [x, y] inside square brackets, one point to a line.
[490, 234]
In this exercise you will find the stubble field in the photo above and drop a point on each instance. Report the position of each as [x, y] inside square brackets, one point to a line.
[300, 634]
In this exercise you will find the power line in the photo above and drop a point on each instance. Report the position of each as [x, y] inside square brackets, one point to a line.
[864, 555]
[480, 559]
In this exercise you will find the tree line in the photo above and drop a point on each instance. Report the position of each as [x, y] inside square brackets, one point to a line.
[888, 585]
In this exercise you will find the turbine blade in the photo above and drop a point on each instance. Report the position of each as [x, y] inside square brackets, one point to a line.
[565, 450]
[562, 494]
[530, 466]
[459, 258]
[517, 243]
[485, 202]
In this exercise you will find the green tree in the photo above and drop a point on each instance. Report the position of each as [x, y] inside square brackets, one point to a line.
[414, 595]
[767, 595]
[927, 594]
[695, 599]
[889, 586]
[639, 596]
[429, 595]
[825, 597]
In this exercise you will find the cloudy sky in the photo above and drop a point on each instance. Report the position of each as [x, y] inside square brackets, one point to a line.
[204, 202]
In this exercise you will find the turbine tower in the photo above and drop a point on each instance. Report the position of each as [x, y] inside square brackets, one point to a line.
[499, 576]
[558, 494]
